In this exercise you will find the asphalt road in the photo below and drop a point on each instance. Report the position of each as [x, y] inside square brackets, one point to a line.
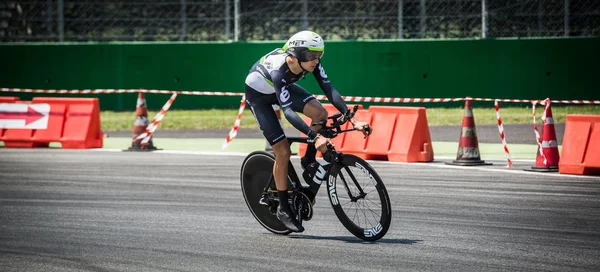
[86, 210]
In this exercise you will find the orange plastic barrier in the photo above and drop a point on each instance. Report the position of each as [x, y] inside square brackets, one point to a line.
[355, 142]
[74, 122]
[56, 120]
[8, 99]
[18, 137]
[409, 140]
[337, 141]
[400, 134]
[581, 145]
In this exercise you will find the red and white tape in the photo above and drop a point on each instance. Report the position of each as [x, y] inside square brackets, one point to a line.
[502, 136]
[535, 128]
[589, 102]
[391, 99]
[236, 124]
[319, 97]
[154, 124]
[111, 91]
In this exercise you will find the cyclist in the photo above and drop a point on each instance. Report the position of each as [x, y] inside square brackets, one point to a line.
[271, 80]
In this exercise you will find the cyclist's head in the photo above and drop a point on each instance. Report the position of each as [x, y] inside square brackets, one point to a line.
[305, 46]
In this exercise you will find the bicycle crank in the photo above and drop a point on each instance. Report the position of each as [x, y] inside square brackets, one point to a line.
[303, 206]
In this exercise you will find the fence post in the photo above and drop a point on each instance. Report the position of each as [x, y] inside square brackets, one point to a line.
[540, 18]
[566, 26]
[484, 15]
[227, 20]
[60, 20]
[400, 19]
[236, 16]
[423, 26]
[183, 21]
[49, 16]
[305, 15]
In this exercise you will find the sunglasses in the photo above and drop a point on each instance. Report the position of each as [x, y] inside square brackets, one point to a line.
[312, 55]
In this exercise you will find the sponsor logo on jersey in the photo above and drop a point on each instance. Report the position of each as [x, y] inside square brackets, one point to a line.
[285, 95]
[278, 138]
[322, 72]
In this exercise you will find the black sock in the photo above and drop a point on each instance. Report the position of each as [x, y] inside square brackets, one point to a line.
[283, 199]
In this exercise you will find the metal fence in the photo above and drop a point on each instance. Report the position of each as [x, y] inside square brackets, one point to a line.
[222, 20]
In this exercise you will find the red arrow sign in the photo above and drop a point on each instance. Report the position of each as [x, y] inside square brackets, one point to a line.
[30, 116]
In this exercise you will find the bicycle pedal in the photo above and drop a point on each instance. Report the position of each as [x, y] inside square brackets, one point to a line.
[263, 202]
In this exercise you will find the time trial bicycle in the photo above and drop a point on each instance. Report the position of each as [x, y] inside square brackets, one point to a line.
[356, 192]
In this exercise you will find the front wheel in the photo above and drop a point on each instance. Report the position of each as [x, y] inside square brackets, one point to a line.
[359, 198]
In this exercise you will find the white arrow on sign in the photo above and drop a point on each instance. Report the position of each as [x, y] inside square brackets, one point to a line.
[25, 116]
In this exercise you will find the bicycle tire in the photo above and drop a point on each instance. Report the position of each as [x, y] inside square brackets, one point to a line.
[375, 207]
[257, 170]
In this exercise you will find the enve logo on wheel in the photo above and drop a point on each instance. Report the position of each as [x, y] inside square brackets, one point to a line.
[373, 231]
[366, 172]
[332, 193]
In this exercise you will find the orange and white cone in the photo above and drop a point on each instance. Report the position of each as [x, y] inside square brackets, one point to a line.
[547, 152]
[140, 125]
[468, 148]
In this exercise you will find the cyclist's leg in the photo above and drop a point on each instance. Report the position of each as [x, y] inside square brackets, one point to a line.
[312, 108]
[282, 158]
[261, 107]
[315, 111]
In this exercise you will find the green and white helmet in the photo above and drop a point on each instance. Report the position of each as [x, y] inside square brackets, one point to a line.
[305, 46]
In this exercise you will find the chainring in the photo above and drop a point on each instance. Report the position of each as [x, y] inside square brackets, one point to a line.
[302, 206]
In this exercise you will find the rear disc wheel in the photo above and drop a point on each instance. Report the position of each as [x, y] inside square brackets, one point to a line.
[257, 171]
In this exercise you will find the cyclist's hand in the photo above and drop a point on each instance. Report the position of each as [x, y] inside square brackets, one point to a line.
[363, 127]
[321, 143]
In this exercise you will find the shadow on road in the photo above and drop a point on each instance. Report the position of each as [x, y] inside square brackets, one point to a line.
[355, 240]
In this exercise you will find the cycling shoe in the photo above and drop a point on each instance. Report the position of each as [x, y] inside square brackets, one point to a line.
[289, 221]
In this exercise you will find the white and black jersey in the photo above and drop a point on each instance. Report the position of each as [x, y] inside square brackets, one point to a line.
[270, 81]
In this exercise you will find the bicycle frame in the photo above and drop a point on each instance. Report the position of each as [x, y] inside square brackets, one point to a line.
[331, 156]
[334, 159]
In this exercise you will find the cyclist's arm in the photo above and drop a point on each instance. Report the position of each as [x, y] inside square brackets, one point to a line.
[332, 94]
[285, 101]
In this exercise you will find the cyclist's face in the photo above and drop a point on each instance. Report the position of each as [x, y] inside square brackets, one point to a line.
[310, 65]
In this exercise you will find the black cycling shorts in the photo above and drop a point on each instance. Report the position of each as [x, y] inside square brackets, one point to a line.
[261, 106]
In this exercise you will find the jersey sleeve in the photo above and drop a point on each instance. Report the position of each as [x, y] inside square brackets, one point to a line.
[284, 98]
[332, 94]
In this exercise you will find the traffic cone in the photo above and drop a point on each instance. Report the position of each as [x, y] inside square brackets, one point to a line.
[547, 152]
[468, 147]
[140, 125]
